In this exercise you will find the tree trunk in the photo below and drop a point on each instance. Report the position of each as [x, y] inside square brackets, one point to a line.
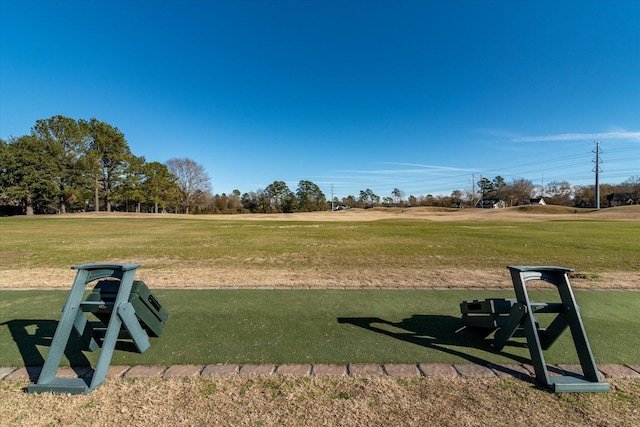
[97, 197]
[29, 205]
[108, 199]
[63, 205]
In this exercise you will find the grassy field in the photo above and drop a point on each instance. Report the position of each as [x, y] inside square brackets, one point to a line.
[61, 242]
[362, 250]
[276, 252]
[423, 250]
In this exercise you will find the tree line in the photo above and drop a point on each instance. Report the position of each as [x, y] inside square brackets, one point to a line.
[67, 165]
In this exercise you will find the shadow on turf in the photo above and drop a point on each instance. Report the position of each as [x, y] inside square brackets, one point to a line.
[440, 332]
[30, 334]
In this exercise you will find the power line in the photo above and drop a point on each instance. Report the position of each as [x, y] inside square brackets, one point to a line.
[597, 171]
[562, 168]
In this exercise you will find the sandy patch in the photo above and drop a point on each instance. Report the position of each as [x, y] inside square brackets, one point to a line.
[523, 213]
[176, 277]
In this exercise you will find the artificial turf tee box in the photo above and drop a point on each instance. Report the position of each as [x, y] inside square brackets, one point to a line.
[243, 326]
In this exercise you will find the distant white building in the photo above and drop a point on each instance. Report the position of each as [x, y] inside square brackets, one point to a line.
[619, 199]
[491, 204]
[537, 201]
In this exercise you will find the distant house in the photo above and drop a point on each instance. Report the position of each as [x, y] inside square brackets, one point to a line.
[526, 202]
[619, 199]
[583, 204]
[491, 204]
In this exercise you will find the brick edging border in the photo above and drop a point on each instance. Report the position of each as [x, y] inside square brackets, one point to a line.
[433, 370]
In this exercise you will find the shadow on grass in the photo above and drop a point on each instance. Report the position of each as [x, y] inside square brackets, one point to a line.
[30, 335]
[441, 333]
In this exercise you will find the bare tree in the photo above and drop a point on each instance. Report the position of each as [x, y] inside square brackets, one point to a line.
[559, 193]
[520, 189]
[192, 179]
[632, 186]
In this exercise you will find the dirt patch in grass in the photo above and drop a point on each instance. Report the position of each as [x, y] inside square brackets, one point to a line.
[193, 277]
[173, 274]
[517, 213]
[304, 401]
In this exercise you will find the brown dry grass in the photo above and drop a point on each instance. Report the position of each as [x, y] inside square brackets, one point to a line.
[220, 277]
[252, 276]
[303, 401]
[522, 213]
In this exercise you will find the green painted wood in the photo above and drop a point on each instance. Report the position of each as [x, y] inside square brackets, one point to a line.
[152, 315]
[127, 314]
[509, 327]
[113, 330]
[569, 313]
[84, 330]
[61, 336]
[61, 386]
[490, 314]
[568, 384]
[116, 306]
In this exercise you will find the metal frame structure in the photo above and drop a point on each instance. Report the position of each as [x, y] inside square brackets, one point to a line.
[122, 321]
[514, 315]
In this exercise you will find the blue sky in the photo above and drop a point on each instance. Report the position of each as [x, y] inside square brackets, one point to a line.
[415, 95]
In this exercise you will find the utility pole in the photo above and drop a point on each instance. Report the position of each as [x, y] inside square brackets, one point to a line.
[597, 171]
[332, 208]
[473, 190]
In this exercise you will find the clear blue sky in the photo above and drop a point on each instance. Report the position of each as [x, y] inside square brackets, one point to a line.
[414, 95]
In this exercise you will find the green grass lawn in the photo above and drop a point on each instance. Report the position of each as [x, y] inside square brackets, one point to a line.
[319, 326]
[162, 243]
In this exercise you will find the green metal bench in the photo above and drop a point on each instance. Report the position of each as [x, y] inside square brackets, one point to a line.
[510, 317]
[126, 308]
